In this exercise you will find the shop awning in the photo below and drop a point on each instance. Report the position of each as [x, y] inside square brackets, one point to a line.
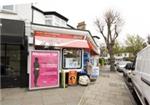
[94, 49]
[60, 42]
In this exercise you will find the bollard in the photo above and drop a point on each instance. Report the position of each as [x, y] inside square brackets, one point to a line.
[63, 79]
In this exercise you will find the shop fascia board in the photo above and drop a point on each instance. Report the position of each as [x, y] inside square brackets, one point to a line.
[58, 30]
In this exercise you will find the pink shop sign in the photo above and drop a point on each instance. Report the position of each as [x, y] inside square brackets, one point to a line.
[44, 72]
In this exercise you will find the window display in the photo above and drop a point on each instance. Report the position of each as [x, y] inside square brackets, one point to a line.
[72, 58]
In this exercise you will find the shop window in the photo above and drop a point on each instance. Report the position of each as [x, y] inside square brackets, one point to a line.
[10, 60]
[72, 58]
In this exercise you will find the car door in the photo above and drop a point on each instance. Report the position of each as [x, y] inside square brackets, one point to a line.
[136, 76]
[145, 77]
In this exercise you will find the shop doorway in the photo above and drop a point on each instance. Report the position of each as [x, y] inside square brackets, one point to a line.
[11, 62]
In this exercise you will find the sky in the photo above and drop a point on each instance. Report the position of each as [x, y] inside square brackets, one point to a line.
[135, 13]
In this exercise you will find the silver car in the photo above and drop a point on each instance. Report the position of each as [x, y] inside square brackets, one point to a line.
[127, 71]
[121, 65]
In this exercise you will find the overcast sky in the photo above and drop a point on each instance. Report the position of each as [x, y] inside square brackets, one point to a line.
[136, 13]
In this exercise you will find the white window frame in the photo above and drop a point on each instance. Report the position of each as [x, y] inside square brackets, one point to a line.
[48, 20]
[63, 60]
[7, 10]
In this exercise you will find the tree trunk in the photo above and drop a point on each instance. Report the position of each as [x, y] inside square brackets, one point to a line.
[112, 58]
[112, 62]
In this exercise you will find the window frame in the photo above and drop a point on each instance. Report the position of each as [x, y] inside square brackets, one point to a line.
[63, 58]
[50, 20]
[9, 10]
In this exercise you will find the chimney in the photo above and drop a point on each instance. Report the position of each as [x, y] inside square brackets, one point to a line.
[81, 26]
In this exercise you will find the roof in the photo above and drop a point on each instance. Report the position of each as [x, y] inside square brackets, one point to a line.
[70, 26]
[33, 7]
[50, 13]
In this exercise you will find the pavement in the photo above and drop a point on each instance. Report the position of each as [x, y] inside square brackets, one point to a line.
[55, 96]
[109, 89]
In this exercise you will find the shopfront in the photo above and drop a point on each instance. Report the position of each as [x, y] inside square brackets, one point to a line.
[13, 54]
[70, 44]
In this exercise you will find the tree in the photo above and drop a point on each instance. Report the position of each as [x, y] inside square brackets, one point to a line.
[134, 44]
[118, 48]
[103, 50]
[109, 28]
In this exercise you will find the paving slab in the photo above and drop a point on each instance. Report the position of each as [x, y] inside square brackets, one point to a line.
[56, 96]
[109, 89]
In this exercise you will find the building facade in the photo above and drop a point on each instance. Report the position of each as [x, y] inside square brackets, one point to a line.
[28, 34]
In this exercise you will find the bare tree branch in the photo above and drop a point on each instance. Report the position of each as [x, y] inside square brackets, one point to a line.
[115, 33]
[101, 28]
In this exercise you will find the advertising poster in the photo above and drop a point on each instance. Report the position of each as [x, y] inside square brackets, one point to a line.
[72, 79]
[44, 72]
[95, 73]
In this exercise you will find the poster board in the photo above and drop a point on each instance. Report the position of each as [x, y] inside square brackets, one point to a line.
[44, 69]
[95, 72]
[72, 79]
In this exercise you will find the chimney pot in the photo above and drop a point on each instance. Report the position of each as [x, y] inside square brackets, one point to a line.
[81, 26]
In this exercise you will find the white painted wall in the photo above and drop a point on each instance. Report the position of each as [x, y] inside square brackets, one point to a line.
[121, 56]
[21, 12]
[38, 17]
[56, 21]
[24, 11]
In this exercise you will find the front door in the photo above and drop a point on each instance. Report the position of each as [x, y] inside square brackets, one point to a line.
[10, 65]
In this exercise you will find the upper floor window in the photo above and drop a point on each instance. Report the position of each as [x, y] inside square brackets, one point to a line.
[48, 22]
[8, 7]
[48, 16]
[63, 22]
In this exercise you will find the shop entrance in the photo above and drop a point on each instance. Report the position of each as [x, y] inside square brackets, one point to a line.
[10, 65]
[14, 52]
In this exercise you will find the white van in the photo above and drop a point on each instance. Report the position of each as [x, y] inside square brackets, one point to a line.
[141, 76]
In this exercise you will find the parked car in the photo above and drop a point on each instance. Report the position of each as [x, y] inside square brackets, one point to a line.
[141, 76]
[121, 65]
[127, 71]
